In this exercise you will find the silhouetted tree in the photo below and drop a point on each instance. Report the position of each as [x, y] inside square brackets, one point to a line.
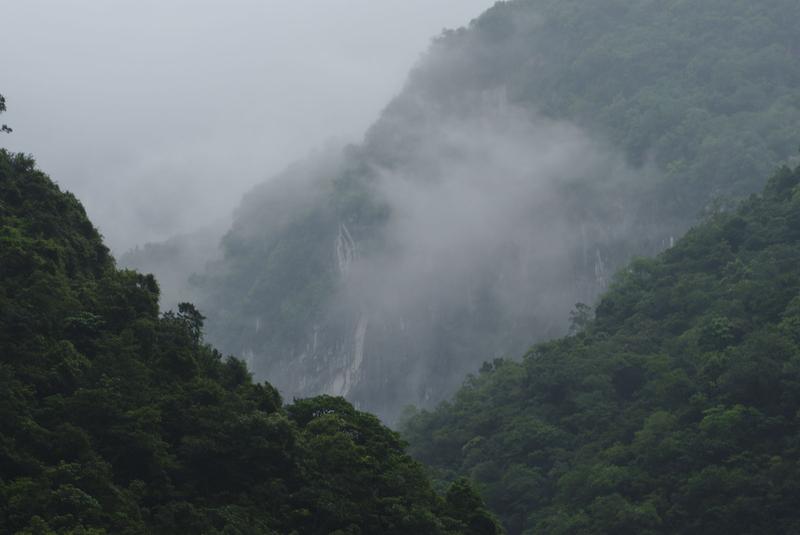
[3, 128]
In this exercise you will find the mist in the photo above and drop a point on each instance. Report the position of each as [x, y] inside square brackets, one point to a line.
[481, 253]
[160, 116]
[374, 242]
[457, 227]
[386, 272]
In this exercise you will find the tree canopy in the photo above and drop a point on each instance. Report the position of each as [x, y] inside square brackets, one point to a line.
[3, 128]
[674, 410]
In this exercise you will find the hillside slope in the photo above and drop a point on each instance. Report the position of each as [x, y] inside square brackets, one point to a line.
[115, 419]
[674, 410]
[528, 156]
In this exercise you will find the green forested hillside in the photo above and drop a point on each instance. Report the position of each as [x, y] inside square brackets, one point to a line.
[672, 107]
[116, 419]
[674, 410]
[706, 90]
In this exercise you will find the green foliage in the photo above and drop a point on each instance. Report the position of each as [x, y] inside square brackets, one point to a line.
[3, 128]
[116, 419]
[674, 410]
[705, 91]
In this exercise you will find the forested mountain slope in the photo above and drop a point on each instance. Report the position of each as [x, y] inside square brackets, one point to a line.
[674, 410]
[115, 419]
[528, 156]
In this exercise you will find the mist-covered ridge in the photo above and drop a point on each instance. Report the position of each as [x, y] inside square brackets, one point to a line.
[528, 156]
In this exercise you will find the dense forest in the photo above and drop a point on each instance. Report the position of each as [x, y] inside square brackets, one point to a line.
[673, 410]
[556, 253]
[117, 419]
[528, 156]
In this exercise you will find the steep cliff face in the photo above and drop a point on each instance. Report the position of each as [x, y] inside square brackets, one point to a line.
[528, 156]
[388, 282]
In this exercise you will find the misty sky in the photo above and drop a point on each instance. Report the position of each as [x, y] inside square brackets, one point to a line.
[159, 115]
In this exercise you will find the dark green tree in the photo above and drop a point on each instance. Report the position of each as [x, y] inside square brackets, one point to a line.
[3, 128]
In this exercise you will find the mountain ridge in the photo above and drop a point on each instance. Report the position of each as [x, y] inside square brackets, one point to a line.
[527, 158]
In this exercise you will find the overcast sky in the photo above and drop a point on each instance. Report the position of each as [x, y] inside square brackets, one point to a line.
[159, 115]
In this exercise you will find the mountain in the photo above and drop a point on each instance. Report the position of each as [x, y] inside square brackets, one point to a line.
[528, 156]
[173, 259]
[673, 410]
[117, 419]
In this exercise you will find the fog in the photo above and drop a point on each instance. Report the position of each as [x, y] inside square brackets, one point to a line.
[454, 227]
[488, 198]
[498, 220]
[160, 115]
[482, 252]
[472, 227]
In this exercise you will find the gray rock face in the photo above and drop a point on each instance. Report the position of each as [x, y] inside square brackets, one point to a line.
[514, 173]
